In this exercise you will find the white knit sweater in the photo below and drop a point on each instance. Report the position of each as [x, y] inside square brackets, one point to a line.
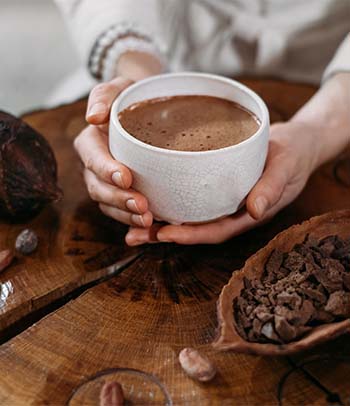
[290, 39]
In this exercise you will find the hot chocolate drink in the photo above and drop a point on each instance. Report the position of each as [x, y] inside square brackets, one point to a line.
[189, 123]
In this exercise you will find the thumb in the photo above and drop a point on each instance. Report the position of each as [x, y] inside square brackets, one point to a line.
[101, 99]
[269, 189]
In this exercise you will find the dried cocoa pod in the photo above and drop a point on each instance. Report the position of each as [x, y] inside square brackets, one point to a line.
[28, 170]
[111, 394]
[6, 258]
[196, 365]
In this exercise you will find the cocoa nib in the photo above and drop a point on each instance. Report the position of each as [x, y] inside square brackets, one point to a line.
[28, 170]
[300, 289]
[274, 262]
[339, 304]
[346, 280]
[269, 332]
[315, 295]
[290, 299]
[288, 332]
[294, 261]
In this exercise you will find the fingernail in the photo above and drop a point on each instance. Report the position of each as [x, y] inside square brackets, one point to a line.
[138, 239]
[133, 241]
[138, 220]
[261, 206]
[131, 205]
[117, 179]
[162, 238]
[97, 109]
[137, 242]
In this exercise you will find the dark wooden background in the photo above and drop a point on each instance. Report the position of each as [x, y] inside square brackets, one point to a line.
[138, 307]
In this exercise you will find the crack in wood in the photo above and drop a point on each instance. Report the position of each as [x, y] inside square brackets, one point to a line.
[176, 272]
[331, 396]
[27, 321]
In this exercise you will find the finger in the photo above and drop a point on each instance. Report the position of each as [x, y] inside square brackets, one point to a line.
[127, 200]
[101, 98]
[92, 148]
[211, 233]
[138, 236]
[138, 220]
[269, 189]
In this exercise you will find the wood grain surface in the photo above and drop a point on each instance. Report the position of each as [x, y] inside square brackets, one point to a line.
[156, 300]
[51, 272]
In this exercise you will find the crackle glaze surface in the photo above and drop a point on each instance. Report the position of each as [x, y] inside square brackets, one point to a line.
[192, 186]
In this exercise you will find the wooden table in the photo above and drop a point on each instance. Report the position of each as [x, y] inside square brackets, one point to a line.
[110, 306]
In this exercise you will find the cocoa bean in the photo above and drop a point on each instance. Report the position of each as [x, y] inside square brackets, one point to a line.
[6, 258]
[112, 394]
[196, 365]
[26, 242]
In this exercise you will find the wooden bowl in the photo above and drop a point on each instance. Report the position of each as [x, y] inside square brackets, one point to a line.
[229, 339]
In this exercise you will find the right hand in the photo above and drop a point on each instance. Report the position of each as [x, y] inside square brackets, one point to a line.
[107, 180]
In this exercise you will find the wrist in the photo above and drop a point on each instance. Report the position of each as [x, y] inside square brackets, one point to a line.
[300, 140]
[312, 141]
[326, 117]
[124, 50]
[136, 65]
[325, 141]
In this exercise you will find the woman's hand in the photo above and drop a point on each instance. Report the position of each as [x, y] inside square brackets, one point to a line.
[108, 181]
[317, 133]
[291, 159]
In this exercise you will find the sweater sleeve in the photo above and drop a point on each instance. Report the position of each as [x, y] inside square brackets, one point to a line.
[104, 29]
[340, 61]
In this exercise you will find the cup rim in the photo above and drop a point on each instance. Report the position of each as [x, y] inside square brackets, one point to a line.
[115, 120]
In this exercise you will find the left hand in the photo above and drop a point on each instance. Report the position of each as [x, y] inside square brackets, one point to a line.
[291, 160]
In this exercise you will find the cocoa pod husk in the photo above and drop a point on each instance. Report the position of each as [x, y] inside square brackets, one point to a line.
[28, 170]
[229, 332]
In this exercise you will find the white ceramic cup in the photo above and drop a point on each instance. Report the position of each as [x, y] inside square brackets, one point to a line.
[185, 186]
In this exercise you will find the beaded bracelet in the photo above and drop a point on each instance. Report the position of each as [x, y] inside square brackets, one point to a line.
[113, 42]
